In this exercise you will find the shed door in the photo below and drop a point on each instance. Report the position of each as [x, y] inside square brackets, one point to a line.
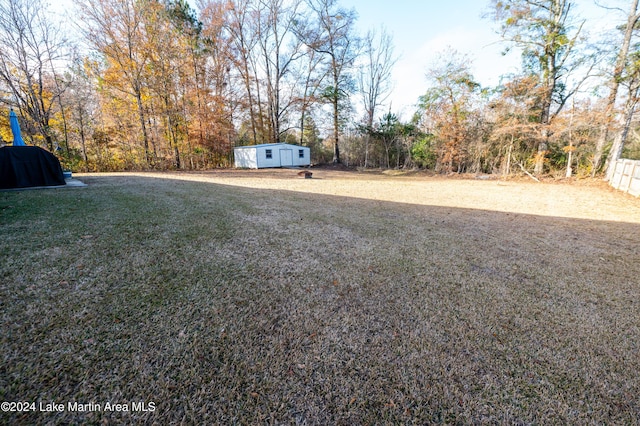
[286, 157]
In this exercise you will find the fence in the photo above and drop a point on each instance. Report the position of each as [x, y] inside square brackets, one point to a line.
[626, 176]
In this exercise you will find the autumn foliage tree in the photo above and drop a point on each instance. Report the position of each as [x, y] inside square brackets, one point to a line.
[548, 36]
[447, 109]
[116, 29]
[515, 126]
[163, 85]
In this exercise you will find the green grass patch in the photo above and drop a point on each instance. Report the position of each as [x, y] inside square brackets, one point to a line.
[225, 305]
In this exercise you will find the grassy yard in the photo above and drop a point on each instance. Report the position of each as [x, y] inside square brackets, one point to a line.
[218, 303]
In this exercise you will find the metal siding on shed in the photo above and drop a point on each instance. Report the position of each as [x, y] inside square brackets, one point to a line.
[297, 161]
[245, 157]
[263, 161]
[257, 157]
[286, 157]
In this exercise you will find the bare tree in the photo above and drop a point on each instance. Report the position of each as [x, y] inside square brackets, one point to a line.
[632, 83]
[310, 75]
[310, 72]
[80, 99]
[335, 38]
[240, 24]
[614, 83]
[374, 81]
[280, 49]
[31, 47]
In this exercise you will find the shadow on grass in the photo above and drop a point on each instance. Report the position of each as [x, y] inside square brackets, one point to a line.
[222, 304]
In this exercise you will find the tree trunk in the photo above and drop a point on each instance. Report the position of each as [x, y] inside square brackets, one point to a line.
[366, 150]
[176, 149]
[542, 150]
[570, 150]
[615, 84]
[83, 145]
[569, 161]
[336, 128]
[143, 126]
[302, 126]
[508, 167]
[618, 144]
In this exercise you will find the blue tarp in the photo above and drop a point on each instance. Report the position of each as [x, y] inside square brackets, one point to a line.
[15, 129]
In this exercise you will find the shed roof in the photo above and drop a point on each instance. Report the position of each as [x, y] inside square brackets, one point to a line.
[269, 144]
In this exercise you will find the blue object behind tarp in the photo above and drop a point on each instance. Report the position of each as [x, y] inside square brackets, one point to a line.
[15, 129]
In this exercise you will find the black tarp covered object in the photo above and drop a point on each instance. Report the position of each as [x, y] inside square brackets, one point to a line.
[29, 166]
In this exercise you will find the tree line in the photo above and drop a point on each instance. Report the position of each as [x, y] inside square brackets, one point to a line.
[155, 84]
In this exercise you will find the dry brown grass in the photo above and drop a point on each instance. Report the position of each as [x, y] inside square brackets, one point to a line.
[351, 298]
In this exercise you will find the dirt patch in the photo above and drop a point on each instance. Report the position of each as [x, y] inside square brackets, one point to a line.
[580, 199]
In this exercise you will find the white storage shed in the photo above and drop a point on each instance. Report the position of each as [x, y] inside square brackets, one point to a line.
[271, 155]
